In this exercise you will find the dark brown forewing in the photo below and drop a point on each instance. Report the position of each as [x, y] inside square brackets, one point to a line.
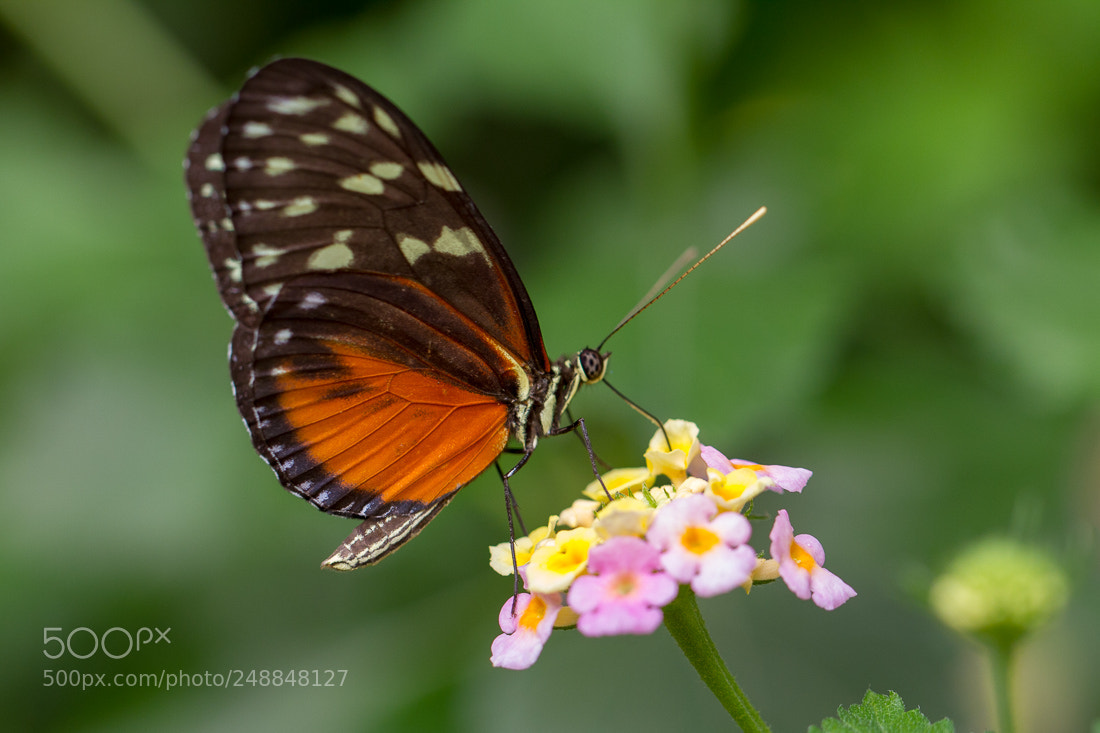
[205, 174]
[308, 170]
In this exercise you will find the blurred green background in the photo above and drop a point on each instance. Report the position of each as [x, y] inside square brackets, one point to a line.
[917, 319]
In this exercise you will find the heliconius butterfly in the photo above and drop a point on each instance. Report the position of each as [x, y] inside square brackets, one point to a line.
[385, 348]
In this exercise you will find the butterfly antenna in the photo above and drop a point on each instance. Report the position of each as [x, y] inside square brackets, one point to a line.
[650, 299]
[657, 292]
[685, 259]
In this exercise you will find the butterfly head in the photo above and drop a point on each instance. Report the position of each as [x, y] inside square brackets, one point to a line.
[591, 365]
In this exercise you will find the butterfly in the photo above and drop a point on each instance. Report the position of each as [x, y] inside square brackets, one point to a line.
[385, 348]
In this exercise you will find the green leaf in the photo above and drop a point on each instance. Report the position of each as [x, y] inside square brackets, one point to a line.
[881, 713]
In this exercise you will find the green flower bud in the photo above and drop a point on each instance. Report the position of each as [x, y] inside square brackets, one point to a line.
[999, 589]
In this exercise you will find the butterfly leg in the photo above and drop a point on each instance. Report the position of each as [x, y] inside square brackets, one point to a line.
[604, 464]
[511, 507]
[573, 426]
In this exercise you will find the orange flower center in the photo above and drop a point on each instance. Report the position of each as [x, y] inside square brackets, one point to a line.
[533, 614]
[802, 558]
[698, 540]
[624, 584]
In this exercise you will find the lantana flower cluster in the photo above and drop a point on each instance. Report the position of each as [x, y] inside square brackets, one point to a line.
[610, 562]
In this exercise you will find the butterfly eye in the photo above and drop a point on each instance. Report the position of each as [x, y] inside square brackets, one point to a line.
[592, 364]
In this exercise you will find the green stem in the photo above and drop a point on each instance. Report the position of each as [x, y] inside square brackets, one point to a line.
[685, 623]
[1001, 659]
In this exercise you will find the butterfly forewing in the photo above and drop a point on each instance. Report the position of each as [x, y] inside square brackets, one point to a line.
[382, 332]
[314, 170]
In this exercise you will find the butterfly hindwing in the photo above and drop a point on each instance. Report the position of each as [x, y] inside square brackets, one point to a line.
[350, 391]
[382, 332]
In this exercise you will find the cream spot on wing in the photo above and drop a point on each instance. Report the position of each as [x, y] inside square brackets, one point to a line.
[295, 105]
[207, 190]
[278, 166]
[227, 224]
[263, 204]
[342, 236]
[459, 242]
[265, 254]
[300, 206]
[282, 336]
[386, 122]
[232, 269]
[352, 122]
[314, 138]
[313, 300]
[362, 183]
[242, 163]
[257, 129]
[214, 162]
[412, 248]
[439, 175]
[346, 95]
[272, 289]
[387, 170]
[332, 257]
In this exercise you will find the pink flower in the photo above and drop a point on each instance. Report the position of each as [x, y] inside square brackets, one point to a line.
[776, 478]
[525, 631]
[800, 565]
[625, 590]
[702, 547]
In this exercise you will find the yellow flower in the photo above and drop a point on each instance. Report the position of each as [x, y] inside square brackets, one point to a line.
[625, 516]
[567, 617]
[732, 490]
[673, 460]
[555, 563]
[500, 555]
[617, 481]
[765, 570]
[664, 494]
[581, 513]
